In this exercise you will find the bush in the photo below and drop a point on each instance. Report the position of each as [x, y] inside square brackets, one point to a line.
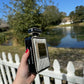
[2, 38]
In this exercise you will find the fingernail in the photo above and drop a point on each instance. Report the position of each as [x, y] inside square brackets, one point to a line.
[26, 50]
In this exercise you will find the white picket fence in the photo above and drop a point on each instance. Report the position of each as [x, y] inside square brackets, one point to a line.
[8, 72]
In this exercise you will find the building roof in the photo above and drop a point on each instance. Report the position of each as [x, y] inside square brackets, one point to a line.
[4, 25]
[66, 19]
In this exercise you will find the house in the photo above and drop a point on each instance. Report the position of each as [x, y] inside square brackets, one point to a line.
[4, 26]
[66, 20]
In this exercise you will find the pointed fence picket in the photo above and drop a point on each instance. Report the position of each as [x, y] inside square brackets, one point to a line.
[8, 68]
[12, 69]
[37, 79]
[46, 79]
[3, 73]
[8, 72]
[56, 67]
[1, 79]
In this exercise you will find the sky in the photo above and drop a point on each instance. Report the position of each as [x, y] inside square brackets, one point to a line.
[64, 5]
[68, 5]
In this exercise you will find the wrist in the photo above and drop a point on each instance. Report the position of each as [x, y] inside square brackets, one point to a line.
[19, 81]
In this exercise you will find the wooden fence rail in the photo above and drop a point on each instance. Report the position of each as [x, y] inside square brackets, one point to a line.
[8, 70]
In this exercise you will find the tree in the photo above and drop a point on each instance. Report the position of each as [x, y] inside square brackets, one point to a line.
[63, 14]
[72, 15]
[52, 15]
[78, 14]
[25, 14]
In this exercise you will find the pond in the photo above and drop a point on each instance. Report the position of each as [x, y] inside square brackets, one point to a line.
[8, 43]
[67, 37]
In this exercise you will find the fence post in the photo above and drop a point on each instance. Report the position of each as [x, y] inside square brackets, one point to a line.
[7, 68]
[17, 59]
[5, 76]
[1, 82]
[12, 69]
[56, 67]
[70, 70]
[37, 79]
[3, 73]
[83, 70]
[46, 79]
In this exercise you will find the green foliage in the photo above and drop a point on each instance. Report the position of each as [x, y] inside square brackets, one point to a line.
[52, 15]
[72, 14]
[26, 15]
[2, 38]
[5, 36]
[78, 14]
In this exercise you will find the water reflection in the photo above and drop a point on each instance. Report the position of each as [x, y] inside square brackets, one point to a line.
[53, 36]
[8, 43]
[68, 37]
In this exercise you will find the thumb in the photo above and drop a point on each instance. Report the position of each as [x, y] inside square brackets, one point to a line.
[25, 57]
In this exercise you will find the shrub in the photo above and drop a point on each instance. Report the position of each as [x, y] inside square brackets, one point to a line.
[2, 38]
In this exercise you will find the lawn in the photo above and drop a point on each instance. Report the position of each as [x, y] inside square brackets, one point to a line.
[58, 26]
[13, 50]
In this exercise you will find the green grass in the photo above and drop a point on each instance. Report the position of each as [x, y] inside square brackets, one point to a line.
[64, 55]
[6, 36]
[66, 25]
[56, 26]
[75, 24]
[13, 50]
[81, 24]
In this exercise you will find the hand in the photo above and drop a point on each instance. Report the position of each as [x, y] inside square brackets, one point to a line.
[23, 76]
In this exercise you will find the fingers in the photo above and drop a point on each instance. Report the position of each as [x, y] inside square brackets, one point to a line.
[31, 78]
[25, 57]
